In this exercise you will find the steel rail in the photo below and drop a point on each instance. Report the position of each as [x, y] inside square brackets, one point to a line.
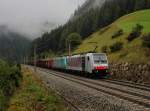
[101, 90]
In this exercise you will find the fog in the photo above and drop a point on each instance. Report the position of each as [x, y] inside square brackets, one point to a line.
[98, 3]
[33, 17]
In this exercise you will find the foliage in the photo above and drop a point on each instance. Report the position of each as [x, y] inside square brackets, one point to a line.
[136, 32]
[105, 49]
[146, 40]
[116, 47]
[117, 34]
[45, 54]
[88, 21]
[74, 39]
[2, 101]
[13, 46]
[34, 96]
[132, 52]
[10, 77]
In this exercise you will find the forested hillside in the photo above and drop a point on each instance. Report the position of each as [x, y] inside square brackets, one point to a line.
[91, 20]
[89, 4]
[127, 39]
[13, 46]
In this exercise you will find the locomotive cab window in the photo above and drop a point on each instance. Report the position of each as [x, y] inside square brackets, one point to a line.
[100, 58]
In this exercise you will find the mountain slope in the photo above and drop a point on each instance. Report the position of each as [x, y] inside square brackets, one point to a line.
[87, 6]
[13, 46]
[87, 21]
[132, 51]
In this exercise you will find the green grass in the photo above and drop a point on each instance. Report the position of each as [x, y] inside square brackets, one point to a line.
[127, 22]
[131, 52]
[34, 96]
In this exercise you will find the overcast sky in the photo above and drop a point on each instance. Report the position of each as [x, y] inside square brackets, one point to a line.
[32, 17]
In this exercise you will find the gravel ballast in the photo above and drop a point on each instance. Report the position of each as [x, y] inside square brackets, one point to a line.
[86, 99]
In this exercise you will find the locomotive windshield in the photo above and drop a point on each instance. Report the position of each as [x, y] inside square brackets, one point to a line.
[100, 58]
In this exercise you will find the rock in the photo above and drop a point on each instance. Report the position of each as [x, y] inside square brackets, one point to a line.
[131, 71]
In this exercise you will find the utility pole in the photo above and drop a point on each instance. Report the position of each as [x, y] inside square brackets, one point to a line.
[35, 58]
[69, 48]
[66, 48]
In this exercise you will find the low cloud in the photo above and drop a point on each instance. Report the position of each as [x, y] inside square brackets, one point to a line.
[33, 17]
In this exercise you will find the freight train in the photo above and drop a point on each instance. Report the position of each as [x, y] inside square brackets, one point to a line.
[89, 63]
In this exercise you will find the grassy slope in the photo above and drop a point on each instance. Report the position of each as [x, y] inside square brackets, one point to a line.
[133, 51]
[33, 96]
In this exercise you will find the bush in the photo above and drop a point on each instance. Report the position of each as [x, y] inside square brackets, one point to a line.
[116, 47]
[105, 49]
[117, 34]
[2, 101]
[136, 32]
[74, 39]
[146, 40]
[10, 77]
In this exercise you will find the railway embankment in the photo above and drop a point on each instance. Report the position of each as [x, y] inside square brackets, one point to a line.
[32, 95]
[139, 73]
[96, 95]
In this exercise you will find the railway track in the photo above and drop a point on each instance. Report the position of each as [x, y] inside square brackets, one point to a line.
[67, 101]
[72, 106]
[144, 87]
[137, 98]
[106, 86]
[130, 84]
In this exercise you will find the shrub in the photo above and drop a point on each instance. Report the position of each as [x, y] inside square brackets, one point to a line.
[10, 77]
[75, 39]
[146, 40]
[2, 101]
[136, 32]
[116, 47]
[117, 34]
[104, 49]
